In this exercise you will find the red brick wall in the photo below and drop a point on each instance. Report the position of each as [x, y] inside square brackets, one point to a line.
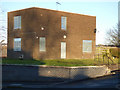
[79, 28]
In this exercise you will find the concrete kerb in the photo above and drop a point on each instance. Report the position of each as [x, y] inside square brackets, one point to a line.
[54, 66]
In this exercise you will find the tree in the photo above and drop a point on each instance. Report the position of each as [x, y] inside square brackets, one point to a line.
[113, 36]
[3, 29]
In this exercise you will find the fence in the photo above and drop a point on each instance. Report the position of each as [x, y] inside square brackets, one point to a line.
[103, 55]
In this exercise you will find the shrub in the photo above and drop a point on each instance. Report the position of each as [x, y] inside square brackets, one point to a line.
[114, 52]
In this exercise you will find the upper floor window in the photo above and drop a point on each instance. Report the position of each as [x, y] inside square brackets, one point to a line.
[17, 44]
[17, 22]
[87, 46]
[63, 22]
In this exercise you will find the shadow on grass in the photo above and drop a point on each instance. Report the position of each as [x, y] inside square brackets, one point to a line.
[24, 61]
[68, 62]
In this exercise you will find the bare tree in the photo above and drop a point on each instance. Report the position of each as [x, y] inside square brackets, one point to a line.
[113, 36]
[3, 29]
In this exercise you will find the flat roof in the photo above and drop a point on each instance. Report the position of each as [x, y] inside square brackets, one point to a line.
[51, 10]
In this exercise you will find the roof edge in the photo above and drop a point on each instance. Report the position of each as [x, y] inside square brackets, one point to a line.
[51, 10]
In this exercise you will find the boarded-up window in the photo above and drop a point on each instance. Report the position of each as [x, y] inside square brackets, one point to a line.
[42, 44]
[63, 50]
[63, 22]
[17, 44]
[17, 22]
[87, 45]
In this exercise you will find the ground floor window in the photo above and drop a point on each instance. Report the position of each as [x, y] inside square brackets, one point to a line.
[17, 44]
[42, 44]
[87, 46]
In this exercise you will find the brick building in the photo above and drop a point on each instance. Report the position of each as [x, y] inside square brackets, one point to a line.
[37, 33]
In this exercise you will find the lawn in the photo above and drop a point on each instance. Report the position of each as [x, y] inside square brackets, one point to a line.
[66, 62]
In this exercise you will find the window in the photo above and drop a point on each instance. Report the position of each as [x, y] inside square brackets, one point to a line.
[87, 45]
[17, 22]
[42, 44]
[17, 44]
[63, 50]
[63, 22]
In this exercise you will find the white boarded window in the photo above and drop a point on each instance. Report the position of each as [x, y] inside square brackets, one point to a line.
[17, 22]
[42, 44]
[63, 22]
[87, 46]
[17, 44]
[63, 50]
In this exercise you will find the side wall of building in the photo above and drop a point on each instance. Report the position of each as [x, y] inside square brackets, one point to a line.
[79, 28]
[25, 33]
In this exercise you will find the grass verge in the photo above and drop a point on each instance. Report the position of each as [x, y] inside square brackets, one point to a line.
[61, 62]
[68, 62]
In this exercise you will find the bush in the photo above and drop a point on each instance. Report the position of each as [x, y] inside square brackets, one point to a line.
[119, 52]
[114, 52]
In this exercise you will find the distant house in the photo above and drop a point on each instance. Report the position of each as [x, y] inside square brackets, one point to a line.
[37, 33]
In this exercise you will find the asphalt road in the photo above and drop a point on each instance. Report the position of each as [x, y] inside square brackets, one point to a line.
[111, 81]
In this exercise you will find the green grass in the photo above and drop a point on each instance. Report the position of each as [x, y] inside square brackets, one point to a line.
[68, 62]
[62, 62]
[17, 61]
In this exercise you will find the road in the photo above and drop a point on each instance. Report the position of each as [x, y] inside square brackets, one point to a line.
[101, 82]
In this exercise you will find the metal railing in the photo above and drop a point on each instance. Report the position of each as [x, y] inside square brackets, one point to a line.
[103, 56]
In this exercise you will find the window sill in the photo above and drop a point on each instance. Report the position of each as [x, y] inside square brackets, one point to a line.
[87, 52]
[64, 29]
[42, 51]
[17, 29]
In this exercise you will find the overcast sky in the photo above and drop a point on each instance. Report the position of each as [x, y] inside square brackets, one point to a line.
[106, 12]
